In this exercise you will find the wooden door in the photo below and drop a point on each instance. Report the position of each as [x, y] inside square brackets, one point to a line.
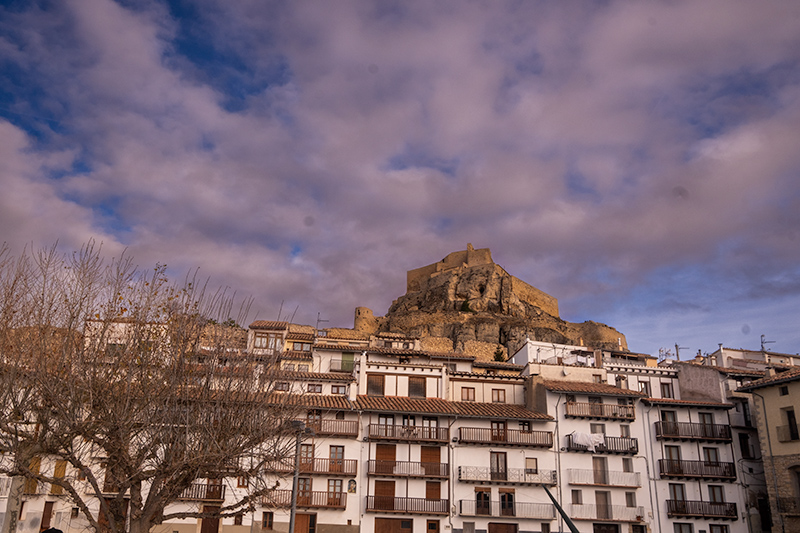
[603, 502]
[433, 490]
[384, 495]
[304, 521]
[432, 526]
[209, 525]
[393, 525]
[47, 515]
[600, 470]
[385, 458]
[430, 456]
[502, 528]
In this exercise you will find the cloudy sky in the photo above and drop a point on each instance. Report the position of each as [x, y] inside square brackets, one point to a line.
[640, 161]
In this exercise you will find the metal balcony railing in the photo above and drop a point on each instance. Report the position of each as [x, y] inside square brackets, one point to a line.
[344, 467]
[697, 469]
[693, 431]
[610, 445]
[408, 433]
[338, 365]
[407, 469]
[600, 410]
[701, 509]
[407, 505]
[203, 492]
[787, 433]
[510, 437]
[333, 428]
[482, 474]
[605, 512]
[604, 477]
[317, 499]
[543, 511]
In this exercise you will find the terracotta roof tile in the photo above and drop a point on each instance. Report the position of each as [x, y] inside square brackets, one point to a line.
[298, 336]
[420, 353]
[288, 375]
[498, 365]
[688, 403]
[586, 387]
[737, 371]
[782, 377]
[339, 347]
[292, 354]
[315, 401]
[269, 324]
[437, 406]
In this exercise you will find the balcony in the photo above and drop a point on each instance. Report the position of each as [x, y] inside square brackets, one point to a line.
[341, 467]
[787, 433]
[693, 431]
[670, 468]
[333, 428]
[508, 476]
[604, 411]
[390, 504]
[308, 499]
[407, 469]
[408, 433]
[604, 478]
[542, 511]
[698, 509]
[505, 437]
[610, 445]
[614, 513]
[338, 365]
[203, 492]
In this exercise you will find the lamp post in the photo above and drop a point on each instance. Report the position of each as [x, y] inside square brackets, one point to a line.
[302, 431]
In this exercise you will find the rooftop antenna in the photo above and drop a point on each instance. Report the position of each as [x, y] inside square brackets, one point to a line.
[280, 310]
[765, 341]
[320, 320]
[678, 351]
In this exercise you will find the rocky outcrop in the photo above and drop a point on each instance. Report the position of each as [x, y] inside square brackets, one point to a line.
[473, 302]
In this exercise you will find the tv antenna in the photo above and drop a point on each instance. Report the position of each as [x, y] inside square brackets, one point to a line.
[319, 319]
[765, 341]
[678, 351]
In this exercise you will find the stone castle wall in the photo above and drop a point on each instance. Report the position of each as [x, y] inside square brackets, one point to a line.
[530, 294]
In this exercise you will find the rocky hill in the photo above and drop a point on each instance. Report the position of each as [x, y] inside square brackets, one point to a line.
[467, 303]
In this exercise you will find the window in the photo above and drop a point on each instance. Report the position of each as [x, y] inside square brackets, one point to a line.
[282, 386]
[497, 466]
[266, 520]
[677, 492]
[375, 385]
[745, 447]
[416, 387]
[433, 490]
[314, 415]
[499, 430]
[711, 455]
[306, 456]
[467, 394]
[624, 430]
[339, 415]
[315, 388]
[289, 367]
[334, 486]
[409, 420]
[498, 396]
[336, 455]
[271, 341]
[577, 497]
[672, 453]
[716, 494]
[302, 367]
[668, 416]
[237, 520]
[627, 464]
[242, 482]
[482, 499]
[301, 346]
[597, 378]
[531, 465]
[717, 528]
[545, 527]
[507, 502]
[666, 390]
[630, 499]
[644, 386]
[683, 528]
[706, 418]
[525, 426]
[597, 428]
[784, 390]
[338, 389]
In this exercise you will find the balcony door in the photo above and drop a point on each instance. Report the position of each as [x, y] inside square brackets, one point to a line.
[430, 456]
[430, 428]
[499, 430]
[482, 505]
[208, 524]
[385, 458]
[307, 458]
[603, 502]
[337, 459]
[384, 495]
[498, 466]
[600, 470]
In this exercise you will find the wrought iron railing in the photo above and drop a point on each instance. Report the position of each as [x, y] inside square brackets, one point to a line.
[703, 509]
[498, 436]
[407, 505]
[203, 491]
[407, 468]
[600, 410]
[543, 511]
[604, 477]
[699, 469]
[481, 474]
[606, 512]
[609, 445]
[408, 433]
[692, 431]
[322, 499]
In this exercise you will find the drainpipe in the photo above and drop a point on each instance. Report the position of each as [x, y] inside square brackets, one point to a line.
[771, 459]
[450, 480]
[558, 464]
[651, 482]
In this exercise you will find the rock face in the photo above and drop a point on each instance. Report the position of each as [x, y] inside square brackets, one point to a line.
[482, 309]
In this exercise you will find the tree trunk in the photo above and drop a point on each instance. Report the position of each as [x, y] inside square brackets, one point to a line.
[13, 505]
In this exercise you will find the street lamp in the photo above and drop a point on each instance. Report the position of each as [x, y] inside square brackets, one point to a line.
[302, 431]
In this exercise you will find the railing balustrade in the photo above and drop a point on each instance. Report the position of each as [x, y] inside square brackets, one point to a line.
[345, 467]
[699, 469]
[482, 474]
[604, 477]
[497, 436]
[698, 508]
[606, 512]
[407, 505]
[203, 491]
[407, 468]
[333, 428]
[600, 410]
[339, 365]
[692, 431]
[322, 499]
[609, 445]
[541, 511]
[408, 433]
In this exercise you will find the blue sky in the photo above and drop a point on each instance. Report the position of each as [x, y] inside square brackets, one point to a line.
[638, 161]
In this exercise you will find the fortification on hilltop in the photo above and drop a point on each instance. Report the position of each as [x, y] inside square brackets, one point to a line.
[469, 302]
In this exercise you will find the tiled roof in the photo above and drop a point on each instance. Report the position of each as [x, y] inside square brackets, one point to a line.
[344, 333]
[497, 364]
[486, 375]
[585, 387]
[315, 401]
[298, 336]
[339, 347]
[420, 353]
[737, 371]
[292, 354]
[436, 406]
[269, 324]
[688, 403]
[289, 375]
[782, 377]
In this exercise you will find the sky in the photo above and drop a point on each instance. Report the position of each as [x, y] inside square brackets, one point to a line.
[639, 161]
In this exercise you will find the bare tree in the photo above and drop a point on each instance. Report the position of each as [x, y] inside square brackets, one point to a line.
[135, 389]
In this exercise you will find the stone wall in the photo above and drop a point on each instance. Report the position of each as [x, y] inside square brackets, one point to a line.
[532, 295]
